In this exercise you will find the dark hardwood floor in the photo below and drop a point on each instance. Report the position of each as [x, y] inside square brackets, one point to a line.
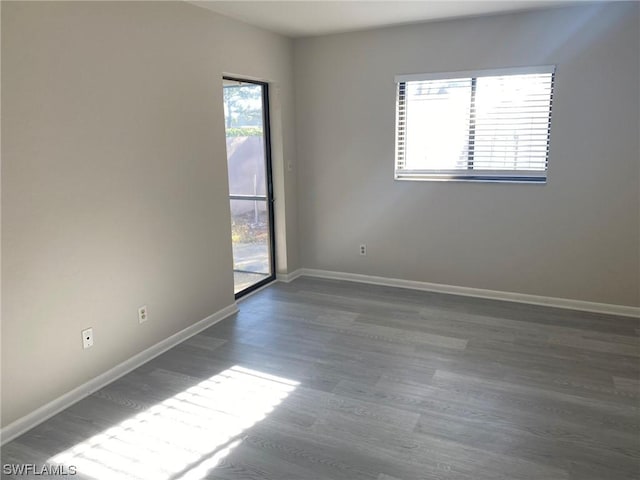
[322, 379]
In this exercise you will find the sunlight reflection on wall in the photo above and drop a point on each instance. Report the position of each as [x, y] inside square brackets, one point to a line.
[186, 435]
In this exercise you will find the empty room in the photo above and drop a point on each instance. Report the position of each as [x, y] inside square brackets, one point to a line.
[328, 240]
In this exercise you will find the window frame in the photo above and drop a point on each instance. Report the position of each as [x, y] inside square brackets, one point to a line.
[470, 174]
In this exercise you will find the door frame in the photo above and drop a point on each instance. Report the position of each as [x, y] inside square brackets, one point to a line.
[266, 123]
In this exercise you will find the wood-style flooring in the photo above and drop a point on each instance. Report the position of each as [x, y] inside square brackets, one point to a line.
[321, 379]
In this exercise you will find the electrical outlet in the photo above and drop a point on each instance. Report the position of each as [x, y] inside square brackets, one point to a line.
[142, 314]
[87, 338]
[363, 249]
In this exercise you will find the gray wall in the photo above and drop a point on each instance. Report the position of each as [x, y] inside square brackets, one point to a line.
[114, 181]
[576, 237]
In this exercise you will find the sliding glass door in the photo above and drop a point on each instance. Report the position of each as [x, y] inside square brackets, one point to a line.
[246, 114]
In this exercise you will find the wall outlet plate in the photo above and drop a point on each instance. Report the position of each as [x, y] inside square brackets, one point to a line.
[87, 338]
[363, 249]
[142, 314]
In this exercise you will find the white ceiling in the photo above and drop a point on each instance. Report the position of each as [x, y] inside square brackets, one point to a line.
[300, 18]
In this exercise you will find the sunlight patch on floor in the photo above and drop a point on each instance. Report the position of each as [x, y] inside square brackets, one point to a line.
[185, 436]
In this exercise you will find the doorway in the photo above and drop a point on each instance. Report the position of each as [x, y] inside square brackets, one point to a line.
[246, 113]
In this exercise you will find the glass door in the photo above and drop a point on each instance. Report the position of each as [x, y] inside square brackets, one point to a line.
[246, 114]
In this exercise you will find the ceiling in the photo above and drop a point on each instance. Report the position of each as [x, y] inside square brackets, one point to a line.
[307, 17]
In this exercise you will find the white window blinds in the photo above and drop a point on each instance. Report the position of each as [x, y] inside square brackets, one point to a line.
[479, 126]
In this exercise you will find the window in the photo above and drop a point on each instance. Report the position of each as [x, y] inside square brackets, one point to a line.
[491, 125]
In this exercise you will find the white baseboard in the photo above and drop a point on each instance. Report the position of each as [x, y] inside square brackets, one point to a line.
[288, 277]
[623, 310]
[38, 416]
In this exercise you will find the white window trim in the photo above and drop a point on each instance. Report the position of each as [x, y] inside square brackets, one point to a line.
[416, 77]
